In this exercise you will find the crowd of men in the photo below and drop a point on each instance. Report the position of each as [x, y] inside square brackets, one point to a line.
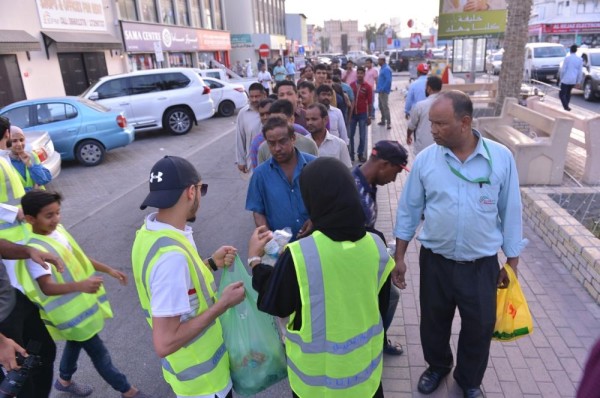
[333, 280]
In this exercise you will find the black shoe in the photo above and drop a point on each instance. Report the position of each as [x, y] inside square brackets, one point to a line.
[382, 123]
[567, 109]
[473, 393]
[429, 381]
[389, 126]
[390, 348]
[361, 159]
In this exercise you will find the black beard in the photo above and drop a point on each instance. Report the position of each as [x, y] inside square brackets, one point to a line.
[191, 219]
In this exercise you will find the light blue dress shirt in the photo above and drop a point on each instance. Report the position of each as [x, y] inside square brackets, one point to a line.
[464, 220]
[571, 71]
[416, 93]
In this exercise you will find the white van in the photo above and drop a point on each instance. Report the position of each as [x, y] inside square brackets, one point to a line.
[542, 60]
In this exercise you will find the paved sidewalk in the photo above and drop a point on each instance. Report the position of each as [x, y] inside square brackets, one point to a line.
[548, 363]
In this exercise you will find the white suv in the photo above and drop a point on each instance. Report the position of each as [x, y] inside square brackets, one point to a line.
[172, 98]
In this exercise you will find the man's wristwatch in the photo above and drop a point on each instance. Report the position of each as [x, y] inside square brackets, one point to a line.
[253, 259]
[212, 263]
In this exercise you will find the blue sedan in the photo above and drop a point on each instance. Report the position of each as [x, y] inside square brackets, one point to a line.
[80, 129]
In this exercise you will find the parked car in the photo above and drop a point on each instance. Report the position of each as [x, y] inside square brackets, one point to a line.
[228, 76]
[172, 98]
[542, 60]
[227, 96]
[399, 60]
[41, 144]
[80, 129]
[360, 61]
[591, 73]
[494, 63]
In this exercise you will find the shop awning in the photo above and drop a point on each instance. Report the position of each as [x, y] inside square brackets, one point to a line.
[80, 42]
[13, 41]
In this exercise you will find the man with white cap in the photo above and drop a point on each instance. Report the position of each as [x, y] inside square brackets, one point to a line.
[176, 287]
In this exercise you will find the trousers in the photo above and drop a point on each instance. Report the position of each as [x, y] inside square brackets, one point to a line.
[471, 287]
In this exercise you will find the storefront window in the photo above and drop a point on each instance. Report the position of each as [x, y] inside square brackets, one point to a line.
[204, 59]
[148, 11]
[208, 14]
[167, 15]
[182, 12]
[195, 13]
[127, 10]
[218, 15]
[142, 61]
[180, 59]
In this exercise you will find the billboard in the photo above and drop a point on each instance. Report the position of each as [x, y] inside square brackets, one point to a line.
[462, 19]
[72, 14]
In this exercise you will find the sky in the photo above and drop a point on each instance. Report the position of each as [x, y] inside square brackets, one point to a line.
[377, 12]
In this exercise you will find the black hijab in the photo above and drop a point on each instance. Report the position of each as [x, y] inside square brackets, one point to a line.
[332, 200]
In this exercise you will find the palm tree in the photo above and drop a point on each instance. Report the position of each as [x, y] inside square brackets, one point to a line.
[515, 37]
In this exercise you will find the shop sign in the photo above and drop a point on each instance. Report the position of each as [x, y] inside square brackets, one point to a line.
[141, 37]
[579, 27]
[241, 41]
[214, 40]
[72, 15]
[455, 23]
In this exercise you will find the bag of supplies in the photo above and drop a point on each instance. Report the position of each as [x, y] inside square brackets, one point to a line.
[256, 356]
[513, 319]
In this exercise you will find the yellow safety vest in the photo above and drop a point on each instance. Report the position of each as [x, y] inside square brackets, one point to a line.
[201, 367]
[11, 192]
[74, 316]
[338, 350]
[27, 181]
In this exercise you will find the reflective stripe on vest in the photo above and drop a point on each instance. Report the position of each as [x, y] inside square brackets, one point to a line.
[315, 277]
[323, 359]
[196, 370]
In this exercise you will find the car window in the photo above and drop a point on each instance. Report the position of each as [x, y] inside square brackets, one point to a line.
[113, 89]
[174, 80]
[55, 112]
[214, 75]
[549, 52]
[19, 116]
[595, 59]
[213, 84]
[145, 84]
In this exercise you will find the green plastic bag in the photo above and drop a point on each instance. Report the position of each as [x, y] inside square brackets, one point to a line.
[256, 355]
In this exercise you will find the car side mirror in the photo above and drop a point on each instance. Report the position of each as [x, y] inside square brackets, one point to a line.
[94, 96]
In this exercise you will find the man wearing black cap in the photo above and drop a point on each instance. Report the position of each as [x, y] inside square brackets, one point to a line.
[387, 160]
[176, 287]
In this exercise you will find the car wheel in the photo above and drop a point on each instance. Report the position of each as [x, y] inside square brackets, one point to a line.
[89, 152]
[178, 121]
[226, 108]
[588, 95]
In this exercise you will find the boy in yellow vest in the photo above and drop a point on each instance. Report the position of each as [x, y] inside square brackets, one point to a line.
[73, 304]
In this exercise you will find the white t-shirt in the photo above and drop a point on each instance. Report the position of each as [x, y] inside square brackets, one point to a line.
[171, 287]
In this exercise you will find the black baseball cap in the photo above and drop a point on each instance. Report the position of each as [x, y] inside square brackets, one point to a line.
[168, 178]
[391, 151]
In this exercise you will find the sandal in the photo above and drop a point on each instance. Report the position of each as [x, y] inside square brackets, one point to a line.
[392, 349]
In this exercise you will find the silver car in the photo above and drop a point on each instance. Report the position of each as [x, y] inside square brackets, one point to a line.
[40, 143]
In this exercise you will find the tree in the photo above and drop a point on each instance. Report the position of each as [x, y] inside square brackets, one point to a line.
[370, 34]
[515, 37]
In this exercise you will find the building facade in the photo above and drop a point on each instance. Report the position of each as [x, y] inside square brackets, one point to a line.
[55, 48]
[296, 33]
[566, 22]
[257, 30]
[343, 36]
[169, 33]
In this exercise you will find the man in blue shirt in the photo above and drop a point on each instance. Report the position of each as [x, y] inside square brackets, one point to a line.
[290, 68]
[570, 75]
[416, 91]
[468, 189]
[383, 88]
[274, 192]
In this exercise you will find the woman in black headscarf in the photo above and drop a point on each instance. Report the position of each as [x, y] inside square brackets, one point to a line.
[333, 204]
